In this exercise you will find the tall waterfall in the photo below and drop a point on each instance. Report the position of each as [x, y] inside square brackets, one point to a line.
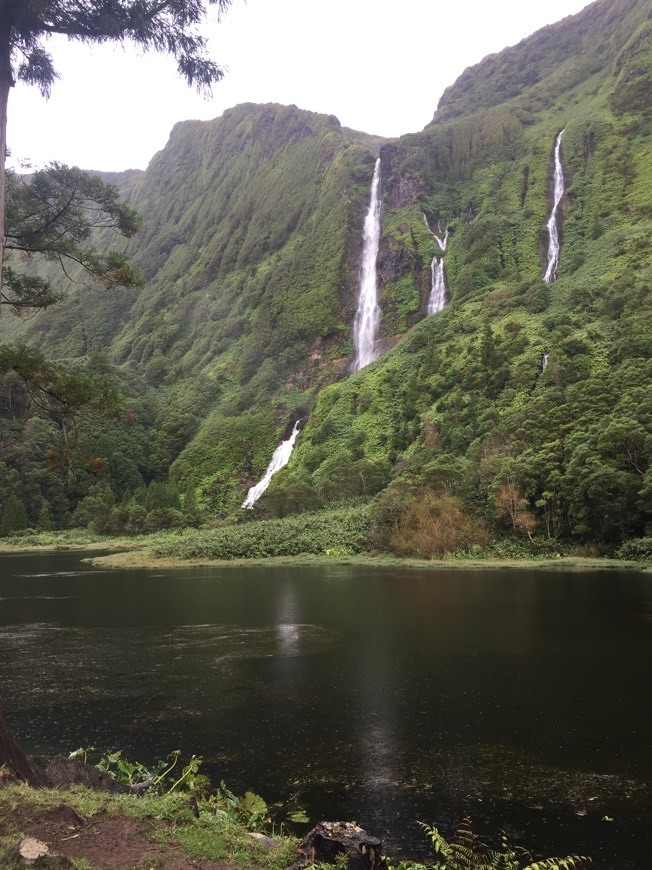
[553, 224]
[438, 292]
[280, 458]
[437, 298]
[367, 317]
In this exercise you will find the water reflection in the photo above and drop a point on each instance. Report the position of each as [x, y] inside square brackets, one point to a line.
[385, 697]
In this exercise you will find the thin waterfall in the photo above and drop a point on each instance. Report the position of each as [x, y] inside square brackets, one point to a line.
[367, 317]
[280, 458]
[438, 295]
[438, 292]
[441, 242]
[553, 222]
[544, 361]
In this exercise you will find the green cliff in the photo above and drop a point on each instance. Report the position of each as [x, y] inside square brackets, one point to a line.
[251, 252]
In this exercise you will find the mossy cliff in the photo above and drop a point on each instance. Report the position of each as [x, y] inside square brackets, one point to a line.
[251, 251]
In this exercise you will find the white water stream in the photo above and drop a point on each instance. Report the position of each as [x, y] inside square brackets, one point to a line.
[438, 293]
[367, 317]
[280, 459]
[437, 298]
[553, 224]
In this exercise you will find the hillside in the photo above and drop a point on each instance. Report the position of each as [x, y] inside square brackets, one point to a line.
[525, 402]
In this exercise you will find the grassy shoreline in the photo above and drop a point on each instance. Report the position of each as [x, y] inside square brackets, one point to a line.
[96, 829]
[145, 559]
[138, 553]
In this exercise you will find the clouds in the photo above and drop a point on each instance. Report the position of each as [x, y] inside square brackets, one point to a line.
[380, 67]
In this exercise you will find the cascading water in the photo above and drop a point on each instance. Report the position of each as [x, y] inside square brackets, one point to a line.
[553, 223]
[441, 242]
[367, 318]
[280, 458]
[544, 361]
[438, 292]
[437, 298]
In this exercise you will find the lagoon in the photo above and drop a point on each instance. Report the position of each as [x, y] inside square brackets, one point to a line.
[384, 695]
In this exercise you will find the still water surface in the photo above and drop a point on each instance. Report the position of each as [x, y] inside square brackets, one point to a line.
[519, 697]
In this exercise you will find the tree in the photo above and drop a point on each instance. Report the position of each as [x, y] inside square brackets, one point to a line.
[167, 26]
[511, 504]
[44, 521]
[14, 517]
[53, 213]
[65, 398]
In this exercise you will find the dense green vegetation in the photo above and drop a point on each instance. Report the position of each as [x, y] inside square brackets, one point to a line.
[459, 433]
[335, 532]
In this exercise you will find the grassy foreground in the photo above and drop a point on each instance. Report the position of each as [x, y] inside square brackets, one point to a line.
[95, 829]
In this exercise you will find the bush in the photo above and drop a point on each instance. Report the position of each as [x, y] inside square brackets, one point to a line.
[636, 550]
[436, 524]
[316, 533]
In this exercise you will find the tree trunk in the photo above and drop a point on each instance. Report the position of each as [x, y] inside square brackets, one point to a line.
[13, 758]
[6, 83]
[327, 840]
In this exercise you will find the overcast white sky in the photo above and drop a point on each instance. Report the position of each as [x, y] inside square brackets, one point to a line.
[379, 66]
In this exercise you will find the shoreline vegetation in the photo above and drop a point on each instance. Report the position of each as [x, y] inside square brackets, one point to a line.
[145, 552]
[98, 829]
[169, 815]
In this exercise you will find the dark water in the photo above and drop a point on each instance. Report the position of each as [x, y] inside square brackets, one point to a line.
[519, 697]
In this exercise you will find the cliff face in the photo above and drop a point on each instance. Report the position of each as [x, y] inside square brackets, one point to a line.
[519, 386]
[251, 251]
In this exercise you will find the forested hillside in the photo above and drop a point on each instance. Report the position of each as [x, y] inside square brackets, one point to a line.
[523, 408]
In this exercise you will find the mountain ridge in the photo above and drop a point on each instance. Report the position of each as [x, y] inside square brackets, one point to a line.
[251, 251]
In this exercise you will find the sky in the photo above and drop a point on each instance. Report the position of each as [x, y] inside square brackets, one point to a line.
[380, 67]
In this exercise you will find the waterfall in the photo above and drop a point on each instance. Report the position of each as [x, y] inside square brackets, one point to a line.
[438, 293]
[367, 317]
[553, 225]
[280, 458]
[437, 299]
[441, 242]
[544, 361]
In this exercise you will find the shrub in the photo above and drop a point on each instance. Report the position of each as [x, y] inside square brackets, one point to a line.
[347, 528]
[636, 550]
[436, 524]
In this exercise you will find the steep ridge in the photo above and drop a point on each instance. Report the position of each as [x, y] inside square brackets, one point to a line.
[252, 249]
[462, 404]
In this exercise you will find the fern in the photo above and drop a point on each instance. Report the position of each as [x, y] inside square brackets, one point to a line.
[467, 852]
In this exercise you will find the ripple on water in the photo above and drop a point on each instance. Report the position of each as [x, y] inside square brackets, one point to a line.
[87, 573]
